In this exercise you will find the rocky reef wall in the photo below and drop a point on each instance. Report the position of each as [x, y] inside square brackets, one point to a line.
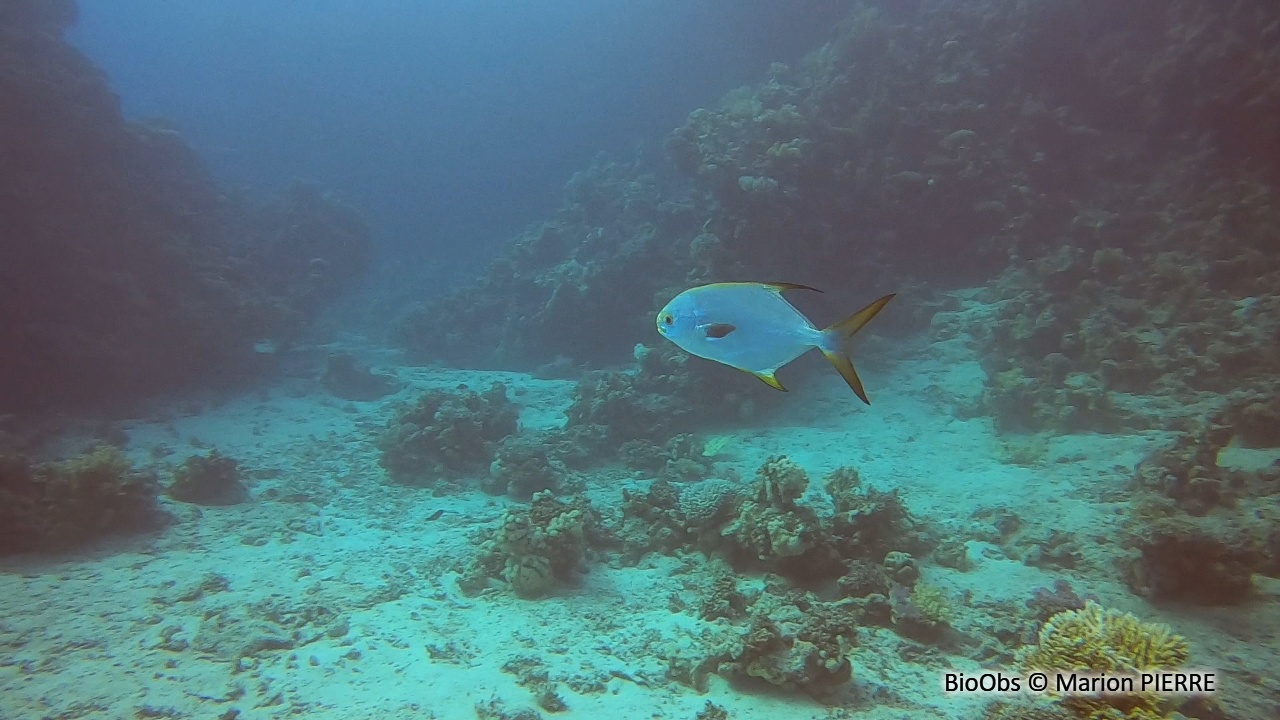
[124, 270]
[932, 144]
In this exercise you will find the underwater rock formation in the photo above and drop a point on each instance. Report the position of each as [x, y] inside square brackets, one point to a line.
[578, 286]
[1197, 564]
[124, 271]
[59, 506]
[796, 644]
[446, 434]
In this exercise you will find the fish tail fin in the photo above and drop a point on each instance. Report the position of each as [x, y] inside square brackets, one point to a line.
[843, 330]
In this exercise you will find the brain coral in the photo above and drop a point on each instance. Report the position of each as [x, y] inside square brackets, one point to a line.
[702, 502]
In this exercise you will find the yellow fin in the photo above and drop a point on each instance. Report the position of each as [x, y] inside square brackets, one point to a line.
[769, 380]
[845, 329]
[844, 366]
[785, 286]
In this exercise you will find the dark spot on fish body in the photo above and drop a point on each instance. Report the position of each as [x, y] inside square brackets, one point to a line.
[719, 330]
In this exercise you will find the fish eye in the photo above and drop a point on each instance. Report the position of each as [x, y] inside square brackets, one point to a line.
[668, 319]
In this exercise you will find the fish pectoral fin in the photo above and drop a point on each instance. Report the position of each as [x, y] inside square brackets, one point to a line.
[715, 331]
[769, 379]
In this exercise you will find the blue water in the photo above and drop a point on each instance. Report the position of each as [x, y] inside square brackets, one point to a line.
[450, 124]
[335, 381]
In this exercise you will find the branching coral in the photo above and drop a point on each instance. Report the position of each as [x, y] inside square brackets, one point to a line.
[1098, 640]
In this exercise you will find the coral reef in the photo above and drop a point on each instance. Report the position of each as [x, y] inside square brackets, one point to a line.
[797, 644]
[534, 548]
[667, 394]
[787, 639]
[523, 466]
[1046, 603]
[921, 612]
[1101, 640]
[59, 506]
[870, 523]
[446, 434]
[124, 271]
[772, 529]
[1026, 710]
[306, 245]
[212, 479]
[766, 526]
[1206, 565]
[1201, 529]
[589, 271]
[1116, 180]
[681, 458]
[654, 521]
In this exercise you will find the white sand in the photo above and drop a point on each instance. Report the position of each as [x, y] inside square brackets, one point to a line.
[354, 580]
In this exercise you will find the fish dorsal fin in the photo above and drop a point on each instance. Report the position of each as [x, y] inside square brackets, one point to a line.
[769, 379]
[784, 286]
[715, 331]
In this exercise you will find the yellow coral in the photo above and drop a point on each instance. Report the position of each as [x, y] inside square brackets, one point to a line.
[1100, 640]
[933, 604]
[715, 445]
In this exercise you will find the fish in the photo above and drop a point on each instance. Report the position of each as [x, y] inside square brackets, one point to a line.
[752, 327]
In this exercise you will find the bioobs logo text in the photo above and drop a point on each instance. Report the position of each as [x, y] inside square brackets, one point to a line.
[987, 682]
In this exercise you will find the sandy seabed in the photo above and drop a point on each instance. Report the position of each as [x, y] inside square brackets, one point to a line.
[332, 594]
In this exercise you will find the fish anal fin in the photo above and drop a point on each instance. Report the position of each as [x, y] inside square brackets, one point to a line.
[716, 331]
[769, 379]
[844, 366]
[785, 286]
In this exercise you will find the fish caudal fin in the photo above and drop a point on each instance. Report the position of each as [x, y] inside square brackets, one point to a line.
[843, 330]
